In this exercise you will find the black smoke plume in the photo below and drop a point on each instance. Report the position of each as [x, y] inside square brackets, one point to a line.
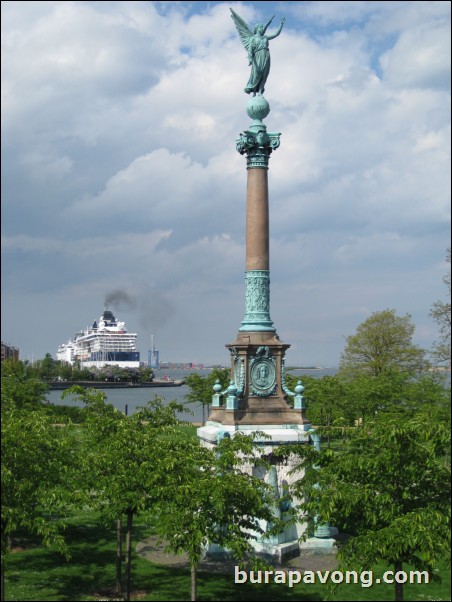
[152, 308]
[119, 299]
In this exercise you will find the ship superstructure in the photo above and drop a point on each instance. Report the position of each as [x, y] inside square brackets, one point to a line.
[106, 342]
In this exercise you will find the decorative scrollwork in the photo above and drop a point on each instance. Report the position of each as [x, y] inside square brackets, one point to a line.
[239, 371]
[234, 353]
[285, 388]
[257, 302]
[299, 400]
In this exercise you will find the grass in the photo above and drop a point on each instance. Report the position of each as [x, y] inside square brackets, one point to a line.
[38, 573]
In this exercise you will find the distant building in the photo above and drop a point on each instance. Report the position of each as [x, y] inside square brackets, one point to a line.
[9, 352]
[153, 358]
[181, 366]
[153, 355]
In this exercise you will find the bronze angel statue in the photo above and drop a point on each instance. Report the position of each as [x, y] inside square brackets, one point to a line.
[256, 44]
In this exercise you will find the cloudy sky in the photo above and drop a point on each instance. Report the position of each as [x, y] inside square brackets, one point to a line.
[121, 181]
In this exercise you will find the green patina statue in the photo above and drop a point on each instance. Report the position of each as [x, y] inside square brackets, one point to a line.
[256, 44]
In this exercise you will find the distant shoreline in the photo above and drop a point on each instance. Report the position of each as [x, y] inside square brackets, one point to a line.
[62, 385]
[309, 368]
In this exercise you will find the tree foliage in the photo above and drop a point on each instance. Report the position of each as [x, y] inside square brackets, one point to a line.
[35, 467]
[20, 387]
[38, 462]
[382, 343]
[48, 370]
[212, 497]
[123, 461]
[389, 488]
[343, 401]
[394, 392]
[440, 312]
[201, 387]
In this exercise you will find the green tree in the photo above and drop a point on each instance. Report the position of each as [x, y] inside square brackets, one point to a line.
[201, 387]
[38, 460]
[146, 374]
[124, 460]
[211, 498]
[337, 400]
[47, 367]
[64, 370]
[396, 393]
[324, 399]
[428, 395]
[440, 312]
[389, 489]
[81, 374]
[367, 394]
[382, 343]
[20, 387]
[340, 400]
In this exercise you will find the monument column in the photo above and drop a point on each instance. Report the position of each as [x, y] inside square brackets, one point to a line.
[257, 144]
[257, 397]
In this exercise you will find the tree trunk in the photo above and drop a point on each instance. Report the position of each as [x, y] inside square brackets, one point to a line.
[194, 592]
[119, 555]
[2, 578]
[398, 566]
[128, 552]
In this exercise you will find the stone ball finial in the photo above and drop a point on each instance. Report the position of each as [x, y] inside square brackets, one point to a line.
[217, 386]
[232, 389]
[299, 388]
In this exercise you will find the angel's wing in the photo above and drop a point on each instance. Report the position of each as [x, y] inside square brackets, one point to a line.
[244, 31]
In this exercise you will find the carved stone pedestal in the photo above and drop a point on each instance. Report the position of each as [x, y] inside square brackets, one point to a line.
[285, 545]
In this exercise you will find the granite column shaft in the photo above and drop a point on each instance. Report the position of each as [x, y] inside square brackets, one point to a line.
[257, 220]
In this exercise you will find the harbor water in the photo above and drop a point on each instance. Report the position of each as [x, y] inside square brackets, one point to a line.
[131, 399]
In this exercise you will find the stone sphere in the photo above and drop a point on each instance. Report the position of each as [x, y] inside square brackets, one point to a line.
[257, 108]
[232, 389]
[299, 388]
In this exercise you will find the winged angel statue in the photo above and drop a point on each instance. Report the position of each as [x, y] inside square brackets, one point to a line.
[256, 44]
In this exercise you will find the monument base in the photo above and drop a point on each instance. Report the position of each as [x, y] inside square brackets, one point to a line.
[273, 553]
[319, 546]
[277, 553]
[273, 434]
[280, 475]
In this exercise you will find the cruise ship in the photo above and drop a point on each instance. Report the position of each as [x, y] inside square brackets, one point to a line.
[107, 342]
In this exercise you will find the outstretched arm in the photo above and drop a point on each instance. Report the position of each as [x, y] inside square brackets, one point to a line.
[266, 27]
[275, 35]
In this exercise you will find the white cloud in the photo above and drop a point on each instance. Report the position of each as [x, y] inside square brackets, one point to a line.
[118, 134]
[420, 58]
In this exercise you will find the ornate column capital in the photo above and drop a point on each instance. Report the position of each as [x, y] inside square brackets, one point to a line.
[258, 146]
